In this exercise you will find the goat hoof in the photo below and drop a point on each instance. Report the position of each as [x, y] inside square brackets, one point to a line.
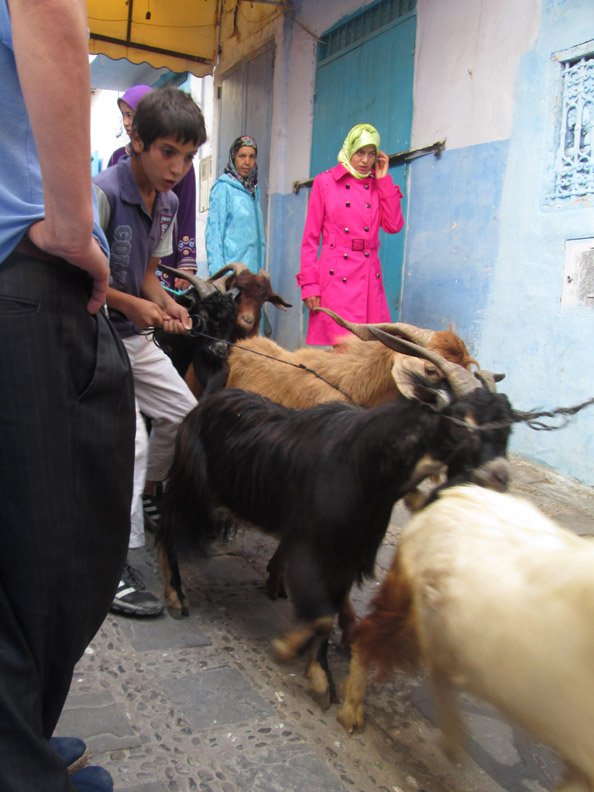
[276, 593]
[283, 649]
[177, 609]
[275, 588]
[320, 688]
[322, 699]
[350, 719]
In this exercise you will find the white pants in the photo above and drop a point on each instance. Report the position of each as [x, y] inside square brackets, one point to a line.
[164, 397]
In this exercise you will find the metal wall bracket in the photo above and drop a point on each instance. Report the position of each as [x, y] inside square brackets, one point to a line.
[394, 159]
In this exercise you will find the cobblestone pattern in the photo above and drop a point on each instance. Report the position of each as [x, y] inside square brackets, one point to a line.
[201, 704]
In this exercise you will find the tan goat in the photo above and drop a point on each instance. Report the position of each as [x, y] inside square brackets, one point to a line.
[361, 369]
[490, 595]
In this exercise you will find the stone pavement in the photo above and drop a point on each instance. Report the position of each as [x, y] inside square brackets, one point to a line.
[201, 703]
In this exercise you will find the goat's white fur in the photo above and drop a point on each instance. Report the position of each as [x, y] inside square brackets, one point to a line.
[502, 604]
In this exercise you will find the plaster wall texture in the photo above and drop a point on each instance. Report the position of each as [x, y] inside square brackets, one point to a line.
[549, 352]
[485, 249]
[466, 61]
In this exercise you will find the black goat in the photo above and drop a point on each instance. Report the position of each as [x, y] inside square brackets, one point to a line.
[225, 308]
[324, 480]
[204, 348]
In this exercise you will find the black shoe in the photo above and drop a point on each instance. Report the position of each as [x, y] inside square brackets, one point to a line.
[132, 599]
[151, 512]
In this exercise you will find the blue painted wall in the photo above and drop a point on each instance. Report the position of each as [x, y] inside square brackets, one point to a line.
[452, 237]
[486, 251]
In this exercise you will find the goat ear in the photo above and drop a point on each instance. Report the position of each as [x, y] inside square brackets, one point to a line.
[278, 301]
[404, 370]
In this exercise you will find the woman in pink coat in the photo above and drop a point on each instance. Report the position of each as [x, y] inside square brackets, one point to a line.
[348, 205]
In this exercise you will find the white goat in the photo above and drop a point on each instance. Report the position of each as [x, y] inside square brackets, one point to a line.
[491, 595]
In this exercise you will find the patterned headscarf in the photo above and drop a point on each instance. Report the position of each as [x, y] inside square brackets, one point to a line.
[359, 136]
[250, 181]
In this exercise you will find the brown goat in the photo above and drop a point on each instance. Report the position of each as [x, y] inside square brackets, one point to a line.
[366, 373]
[254, 289]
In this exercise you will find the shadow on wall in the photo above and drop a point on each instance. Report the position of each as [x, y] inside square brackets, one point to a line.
[286, 221]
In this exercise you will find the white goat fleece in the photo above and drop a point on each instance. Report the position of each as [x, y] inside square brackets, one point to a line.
[503, 605]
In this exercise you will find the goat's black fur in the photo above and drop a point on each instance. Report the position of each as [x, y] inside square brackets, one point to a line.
[323, 479]
[204, 348]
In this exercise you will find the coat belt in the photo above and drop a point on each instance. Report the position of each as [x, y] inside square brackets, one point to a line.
[354, 244]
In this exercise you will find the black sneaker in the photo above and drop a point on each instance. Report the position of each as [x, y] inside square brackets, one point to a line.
[150, 509]
[132, 599]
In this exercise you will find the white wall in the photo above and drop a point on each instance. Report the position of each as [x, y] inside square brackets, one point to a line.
[107, 130]
[466, 62]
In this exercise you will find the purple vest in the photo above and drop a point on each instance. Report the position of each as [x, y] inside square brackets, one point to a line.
[131, 232]
[184, 242]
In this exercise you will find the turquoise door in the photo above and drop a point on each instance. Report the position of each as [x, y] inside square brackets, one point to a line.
[369, 80]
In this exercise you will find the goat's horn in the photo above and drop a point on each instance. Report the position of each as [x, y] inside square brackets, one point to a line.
[220, 278]
[488, 379]
[461, 380]
[204, 288]
[363, 331]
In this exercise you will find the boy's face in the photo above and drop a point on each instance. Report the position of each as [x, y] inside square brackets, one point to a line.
[166, 162]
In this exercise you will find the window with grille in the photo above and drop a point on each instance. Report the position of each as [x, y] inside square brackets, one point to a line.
[362, 25]
[574, 162]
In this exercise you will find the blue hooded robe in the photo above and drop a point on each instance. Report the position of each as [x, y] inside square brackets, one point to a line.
[235, 226]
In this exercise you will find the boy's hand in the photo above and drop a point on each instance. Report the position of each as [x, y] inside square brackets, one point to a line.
[145, 314]
[176, 319]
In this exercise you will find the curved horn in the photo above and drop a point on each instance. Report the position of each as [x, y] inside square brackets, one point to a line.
[220, 278]
[488, 379]
[411, 333]
[204, 288]
[461, 380]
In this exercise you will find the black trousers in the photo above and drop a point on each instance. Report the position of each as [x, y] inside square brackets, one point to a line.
[66, 462]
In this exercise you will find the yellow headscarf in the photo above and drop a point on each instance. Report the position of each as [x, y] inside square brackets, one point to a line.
[359, 136]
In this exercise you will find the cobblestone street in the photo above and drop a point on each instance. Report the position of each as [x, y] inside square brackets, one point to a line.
[201, 703]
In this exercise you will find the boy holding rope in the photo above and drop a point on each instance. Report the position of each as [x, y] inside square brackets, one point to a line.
[137, 210]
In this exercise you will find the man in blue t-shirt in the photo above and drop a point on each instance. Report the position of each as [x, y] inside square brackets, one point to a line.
[137, 210]
[66, 397]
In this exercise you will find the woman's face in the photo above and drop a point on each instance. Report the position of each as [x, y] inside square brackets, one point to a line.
[245, 160]
[127, 116]
[364, 159]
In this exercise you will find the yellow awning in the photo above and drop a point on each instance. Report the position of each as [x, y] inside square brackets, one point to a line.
[180, 35]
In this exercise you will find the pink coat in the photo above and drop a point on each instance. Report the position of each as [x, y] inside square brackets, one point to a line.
[347, 213]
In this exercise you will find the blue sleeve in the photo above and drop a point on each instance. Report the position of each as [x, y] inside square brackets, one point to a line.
[98, 232]
[261, 233]
[218, 205]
